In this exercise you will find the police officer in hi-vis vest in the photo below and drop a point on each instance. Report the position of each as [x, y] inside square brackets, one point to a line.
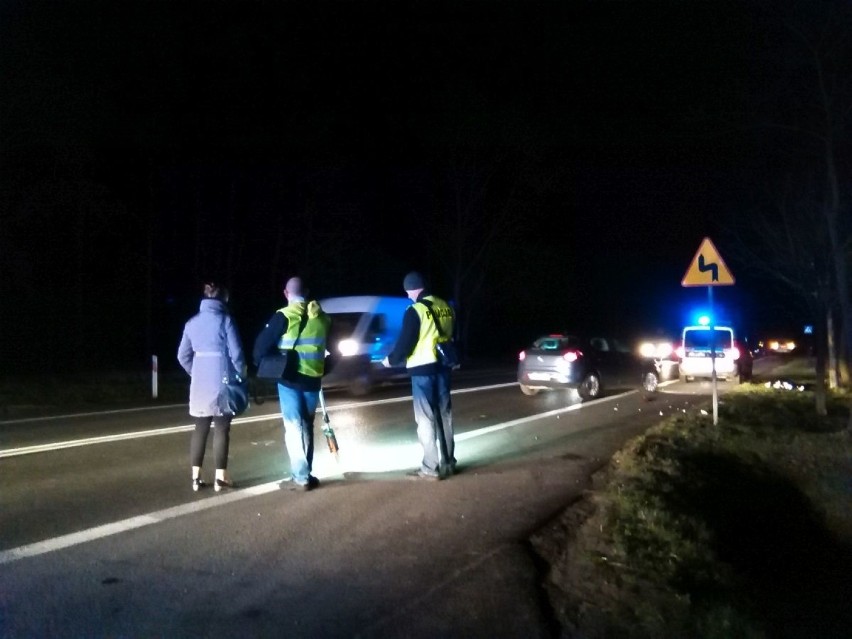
[302, 326]
[430, 380]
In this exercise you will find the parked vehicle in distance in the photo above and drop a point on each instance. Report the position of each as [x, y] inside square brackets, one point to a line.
[586, 364]
[662, 351]
[363, 331]
[703, 348]
[779, 345]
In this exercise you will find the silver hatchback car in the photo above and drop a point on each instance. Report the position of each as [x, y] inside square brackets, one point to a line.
[586, 364]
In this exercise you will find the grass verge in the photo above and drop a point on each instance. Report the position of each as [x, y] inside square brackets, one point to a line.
[737, 530]
[22, 397]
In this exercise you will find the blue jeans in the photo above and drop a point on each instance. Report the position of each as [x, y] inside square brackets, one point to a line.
[433, 413]
[298, 409]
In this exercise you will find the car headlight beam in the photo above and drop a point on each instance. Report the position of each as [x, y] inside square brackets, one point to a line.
[347, 347]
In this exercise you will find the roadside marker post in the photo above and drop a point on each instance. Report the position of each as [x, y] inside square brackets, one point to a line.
[708, 269]
[154, 373]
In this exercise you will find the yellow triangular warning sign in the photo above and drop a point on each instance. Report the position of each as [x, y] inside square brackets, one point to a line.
[707, 268]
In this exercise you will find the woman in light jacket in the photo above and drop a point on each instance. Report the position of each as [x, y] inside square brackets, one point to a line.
[209, 351]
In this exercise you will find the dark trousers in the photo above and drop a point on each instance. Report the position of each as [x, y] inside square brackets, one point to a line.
[221, 440]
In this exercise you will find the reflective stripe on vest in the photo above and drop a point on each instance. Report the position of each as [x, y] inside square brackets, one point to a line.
[424, 351]
[311, 342]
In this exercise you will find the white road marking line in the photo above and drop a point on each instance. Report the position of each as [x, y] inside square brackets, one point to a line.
[74, 443]
[117, 411]
[107, 530]
[515, 422]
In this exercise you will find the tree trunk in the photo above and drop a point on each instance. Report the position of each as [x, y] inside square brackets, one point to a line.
[820, 391]
[832, 351]
[839, 258]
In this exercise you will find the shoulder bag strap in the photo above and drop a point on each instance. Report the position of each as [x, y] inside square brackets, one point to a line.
[227, 354]
[302, 322]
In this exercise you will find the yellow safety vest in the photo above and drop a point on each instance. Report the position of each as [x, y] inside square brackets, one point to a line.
[424, 351]
[311, 341]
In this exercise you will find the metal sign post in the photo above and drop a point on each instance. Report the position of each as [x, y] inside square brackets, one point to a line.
[713, 357]
[708, 269]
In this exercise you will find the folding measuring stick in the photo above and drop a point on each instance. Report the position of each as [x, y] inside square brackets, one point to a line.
[327, 430]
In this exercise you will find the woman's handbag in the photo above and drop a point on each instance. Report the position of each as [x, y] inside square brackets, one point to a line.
[234, 396]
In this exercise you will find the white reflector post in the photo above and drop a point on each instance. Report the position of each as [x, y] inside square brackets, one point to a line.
[154, 376]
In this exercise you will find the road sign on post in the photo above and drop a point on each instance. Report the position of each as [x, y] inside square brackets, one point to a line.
[707, 268]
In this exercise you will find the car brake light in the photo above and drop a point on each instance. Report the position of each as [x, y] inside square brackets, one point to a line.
[571, 356]
[522, 356]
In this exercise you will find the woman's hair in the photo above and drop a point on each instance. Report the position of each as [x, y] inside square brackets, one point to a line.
[212, 290]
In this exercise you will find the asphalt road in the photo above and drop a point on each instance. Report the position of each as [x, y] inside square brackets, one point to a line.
[101, 535]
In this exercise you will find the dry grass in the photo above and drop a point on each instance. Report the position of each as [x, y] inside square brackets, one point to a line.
[52, 394]
[738, 530]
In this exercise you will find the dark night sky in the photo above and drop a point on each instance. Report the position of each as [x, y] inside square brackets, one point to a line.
[146, 145]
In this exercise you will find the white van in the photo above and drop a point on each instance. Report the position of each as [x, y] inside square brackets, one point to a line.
[364, 329]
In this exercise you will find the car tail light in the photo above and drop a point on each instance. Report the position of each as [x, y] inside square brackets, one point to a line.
[680, 352]
[733, 353]
[522, 356]
[571, 356]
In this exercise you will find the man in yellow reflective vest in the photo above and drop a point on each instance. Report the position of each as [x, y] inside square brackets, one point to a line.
[426, 322]
[301, 326]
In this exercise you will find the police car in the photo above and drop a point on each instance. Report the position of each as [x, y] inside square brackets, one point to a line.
[704, 348]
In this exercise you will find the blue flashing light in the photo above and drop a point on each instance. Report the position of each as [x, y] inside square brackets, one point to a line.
[704, 320]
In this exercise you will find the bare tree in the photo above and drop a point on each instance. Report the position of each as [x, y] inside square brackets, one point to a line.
[804, 240]
[781, 242]
[820, 49]
[472, 206]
